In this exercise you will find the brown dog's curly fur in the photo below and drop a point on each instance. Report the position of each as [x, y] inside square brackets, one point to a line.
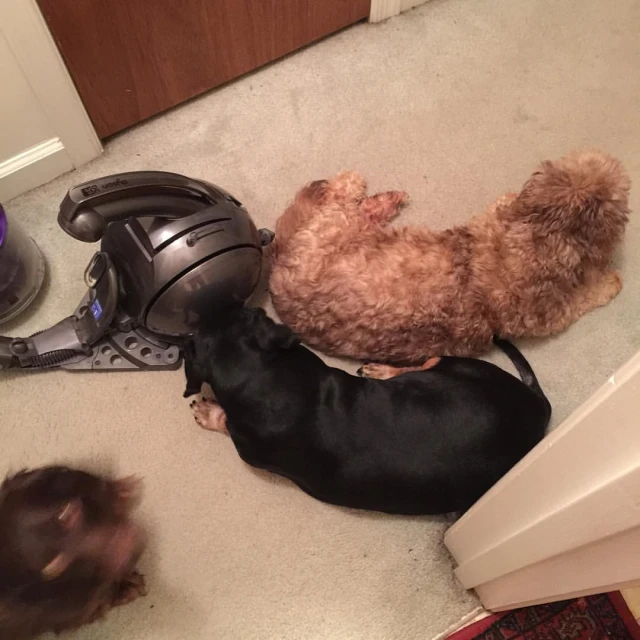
[531, 265]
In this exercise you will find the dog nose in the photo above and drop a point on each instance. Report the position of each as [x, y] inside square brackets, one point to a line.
[266, 236]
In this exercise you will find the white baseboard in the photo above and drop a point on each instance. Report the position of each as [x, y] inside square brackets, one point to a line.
[383, 9]
[33, 167]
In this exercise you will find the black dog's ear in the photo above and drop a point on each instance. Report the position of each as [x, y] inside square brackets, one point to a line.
[269, 335]
[279, 336]
[192, 370]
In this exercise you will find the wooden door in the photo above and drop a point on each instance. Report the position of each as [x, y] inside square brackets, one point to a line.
[132, 59]
[565, 521]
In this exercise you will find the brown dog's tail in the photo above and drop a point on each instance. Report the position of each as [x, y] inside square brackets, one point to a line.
[583, 195]
[521, 364]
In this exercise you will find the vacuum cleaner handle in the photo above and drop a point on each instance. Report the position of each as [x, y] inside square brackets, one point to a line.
[89, 208]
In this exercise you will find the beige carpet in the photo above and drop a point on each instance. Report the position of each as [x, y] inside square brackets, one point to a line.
[454, 102]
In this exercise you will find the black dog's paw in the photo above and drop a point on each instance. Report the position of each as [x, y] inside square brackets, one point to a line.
[204, 412]
[209, 415]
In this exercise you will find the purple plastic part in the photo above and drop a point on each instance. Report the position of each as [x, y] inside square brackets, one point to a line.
[3, 225]
[21, 269]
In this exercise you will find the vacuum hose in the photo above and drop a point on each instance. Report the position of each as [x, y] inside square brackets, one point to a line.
[9, 361]
[41, 361]
[50, 359]
[43, 349]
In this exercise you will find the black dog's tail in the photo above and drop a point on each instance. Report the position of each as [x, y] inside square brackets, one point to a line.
[520, 363]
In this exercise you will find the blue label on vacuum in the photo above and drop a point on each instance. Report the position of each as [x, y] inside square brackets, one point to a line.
[96, 309]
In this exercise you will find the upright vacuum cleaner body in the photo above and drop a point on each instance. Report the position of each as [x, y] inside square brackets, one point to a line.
[173, 251]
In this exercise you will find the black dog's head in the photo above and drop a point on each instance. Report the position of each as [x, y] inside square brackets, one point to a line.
[226, 337]
[65, 535]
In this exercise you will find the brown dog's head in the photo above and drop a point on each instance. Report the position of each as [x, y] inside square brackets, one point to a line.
[582, 197]
[66, 538]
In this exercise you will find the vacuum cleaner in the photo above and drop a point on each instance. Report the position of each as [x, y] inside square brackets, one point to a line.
[173, 250]
[22, 269]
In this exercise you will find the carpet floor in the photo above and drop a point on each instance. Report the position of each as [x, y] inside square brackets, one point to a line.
[599, 617]
[455, 102]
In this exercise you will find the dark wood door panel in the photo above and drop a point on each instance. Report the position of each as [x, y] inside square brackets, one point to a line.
[131, 59]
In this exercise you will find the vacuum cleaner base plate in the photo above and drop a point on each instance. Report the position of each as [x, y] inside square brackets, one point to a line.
[120, 351]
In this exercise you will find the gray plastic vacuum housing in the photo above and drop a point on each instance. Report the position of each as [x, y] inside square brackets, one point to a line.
[173, 251]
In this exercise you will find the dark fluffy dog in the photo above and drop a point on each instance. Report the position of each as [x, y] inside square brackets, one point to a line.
[431, 440]
[349, 284]
[68, 550]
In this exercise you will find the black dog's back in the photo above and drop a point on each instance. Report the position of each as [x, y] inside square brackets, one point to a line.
[428, 442]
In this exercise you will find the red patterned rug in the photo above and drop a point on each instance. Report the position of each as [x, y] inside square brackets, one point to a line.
[601, 617]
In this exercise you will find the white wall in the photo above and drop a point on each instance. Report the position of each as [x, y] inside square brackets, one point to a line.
[44, 129]
[565, 521]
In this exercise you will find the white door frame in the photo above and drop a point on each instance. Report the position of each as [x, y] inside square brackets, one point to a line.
[383, 9]
[74, 141]
[565, 521]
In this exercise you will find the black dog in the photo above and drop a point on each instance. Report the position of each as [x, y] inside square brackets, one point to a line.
[429, 441]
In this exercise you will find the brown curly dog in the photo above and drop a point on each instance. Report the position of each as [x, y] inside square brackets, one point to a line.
[531, 265]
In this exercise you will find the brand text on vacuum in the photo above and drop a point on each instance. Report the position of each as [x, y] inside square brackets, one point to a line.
[95, 188]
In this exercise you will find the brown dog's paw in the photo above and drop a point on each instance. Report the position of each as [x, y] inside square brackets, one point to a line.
[603, 290]
[613, 284]
[130, 589]
[377, 371]
[383, 207]
[386, 371]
